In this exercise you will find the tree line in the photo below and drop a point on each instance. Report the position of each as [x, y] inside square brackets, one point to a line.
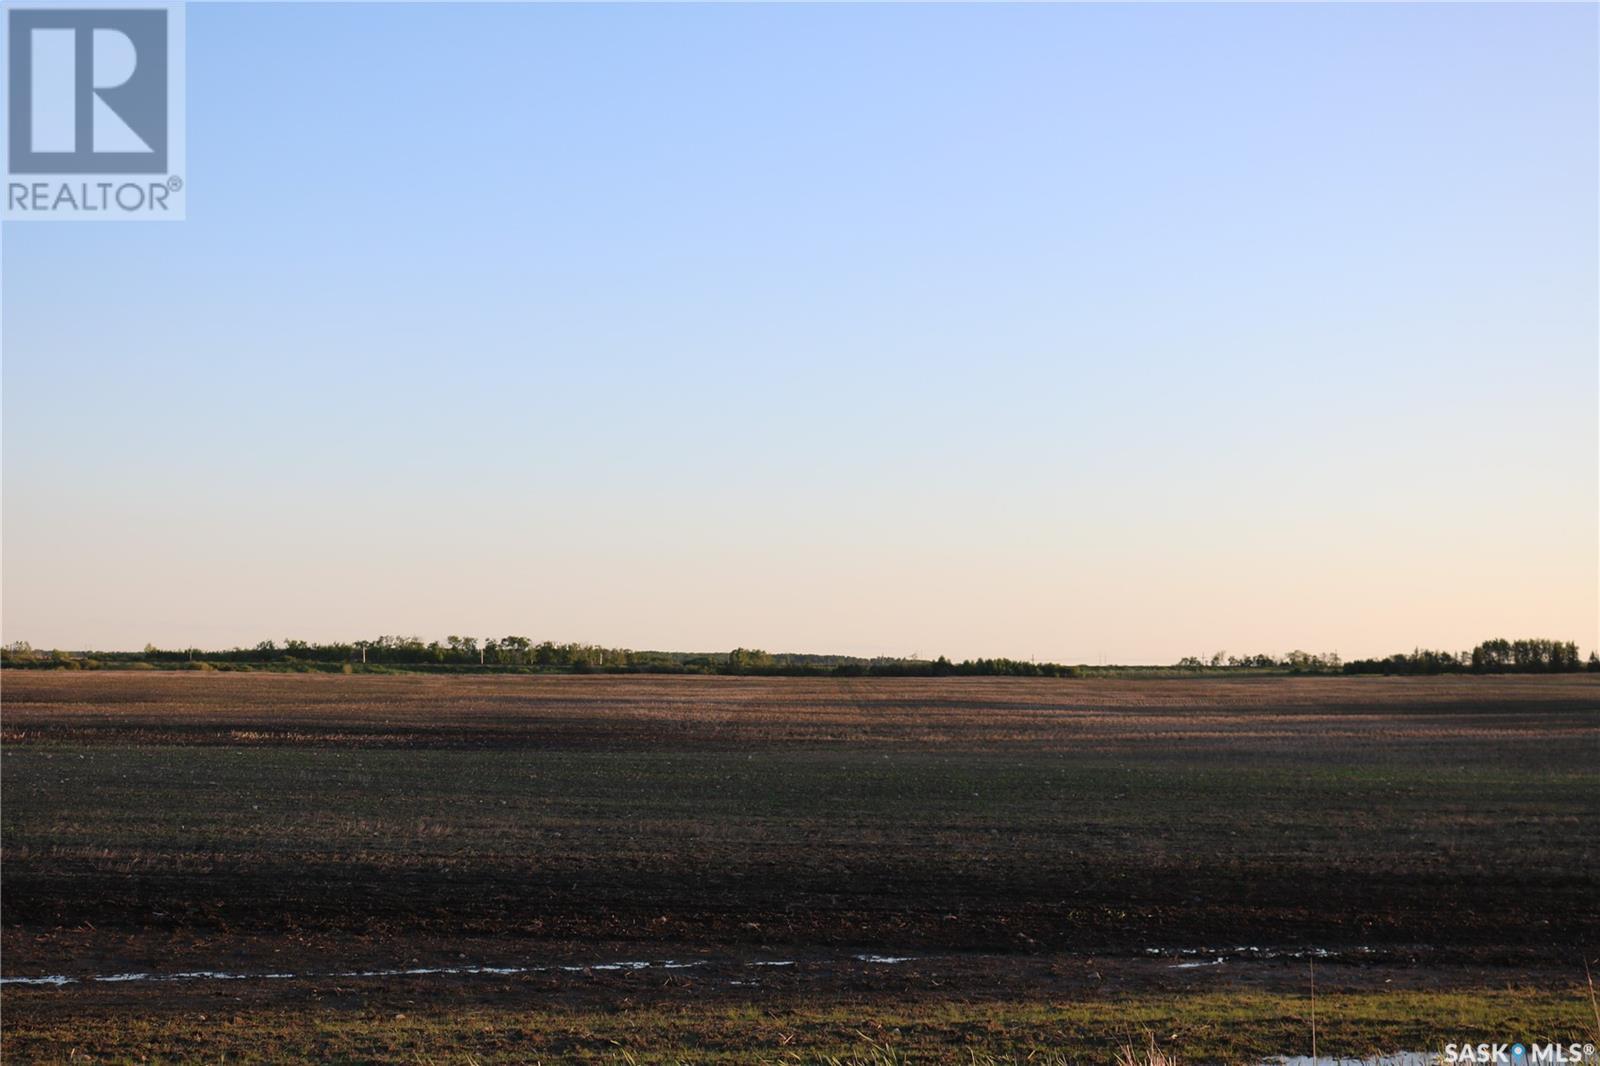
[522, 655]
[1498, 656]
[519, 654]
[1296, 661]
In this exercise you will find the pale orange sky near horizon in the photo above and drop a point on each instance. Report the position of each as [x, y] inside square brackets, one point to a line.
[1141, 582]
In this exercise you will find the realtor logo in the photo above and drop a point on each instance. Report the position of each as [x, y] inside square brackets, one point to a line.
[94, 93]
[88, 92]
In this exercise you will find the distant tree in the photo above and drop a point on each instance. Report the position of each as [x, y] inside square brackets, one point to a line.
[745, 660]
[511, 650]
[1252, 661]
[1306, 663]
[1491, 656]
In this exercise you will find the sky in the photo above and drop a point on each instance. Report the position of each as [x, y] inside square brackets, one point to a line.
[1084, 333]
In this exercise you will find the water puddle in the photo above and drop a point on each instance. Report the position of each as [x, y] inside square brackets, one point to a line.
[1198, 958]
[1185, 959]
[626, 965]
[56, 980]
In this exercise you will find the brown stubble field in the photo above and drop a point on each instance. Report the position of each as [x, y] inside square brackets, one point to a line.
[1029, 841]
[618, 712]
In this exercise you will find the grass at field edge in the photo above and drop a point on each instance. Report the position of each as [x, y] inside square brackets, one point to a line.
[1196, 1027]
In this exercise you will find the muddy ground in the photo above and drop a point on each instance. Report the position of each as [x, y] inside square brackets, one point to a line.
[1018, 838]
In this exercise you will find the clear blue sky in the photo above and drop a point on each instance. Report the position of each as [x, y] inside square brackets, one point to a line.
[1067, 331]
